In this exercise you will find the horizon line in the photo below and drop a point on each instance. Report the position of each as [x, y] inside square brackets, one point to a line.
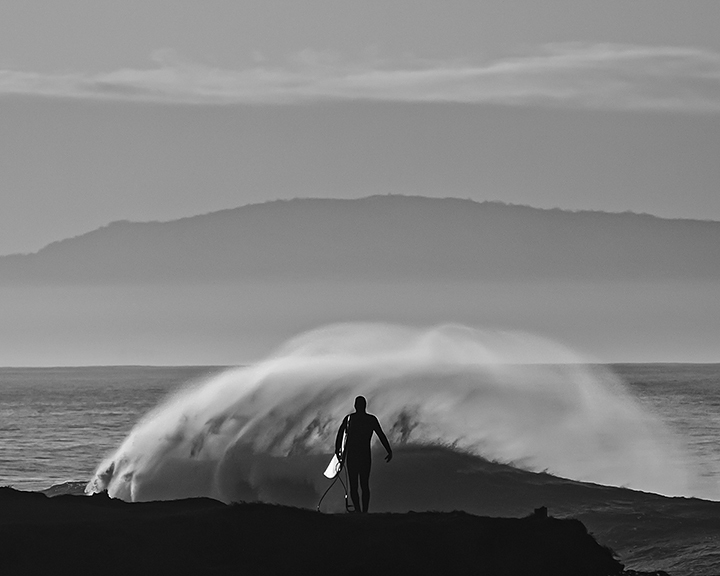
[231, 366]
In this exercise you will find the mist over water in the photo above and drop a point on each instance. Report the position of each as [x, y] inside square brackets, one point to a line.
[265, 431]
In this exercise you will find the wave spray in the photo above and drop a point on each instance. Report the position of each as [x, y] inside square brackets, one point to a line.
[265, 431]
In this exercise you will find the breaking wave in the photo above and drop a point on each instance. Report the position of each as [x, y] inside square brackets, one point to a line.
[266, 431]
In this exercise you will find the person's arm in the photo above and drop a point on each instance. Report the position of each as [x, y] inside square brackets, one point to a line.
[339, 437]
[383, 440]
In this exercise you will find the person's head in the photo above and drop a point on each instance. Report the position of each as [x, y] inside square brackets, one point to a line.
[360, 404]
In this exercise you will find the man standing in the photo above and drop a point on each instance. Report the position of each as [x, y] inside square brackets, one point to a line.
[358, 457]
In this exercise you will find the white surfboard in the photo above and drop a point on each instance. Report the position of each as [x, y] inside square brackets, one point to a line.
[335, 465]
[333, 468]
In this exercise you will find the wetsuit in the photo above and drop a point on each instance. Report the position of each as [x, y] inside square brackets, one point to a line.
[358, 457]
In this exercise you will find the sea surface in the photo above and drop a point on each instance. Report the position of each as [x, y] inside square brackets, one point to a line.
[58, 424]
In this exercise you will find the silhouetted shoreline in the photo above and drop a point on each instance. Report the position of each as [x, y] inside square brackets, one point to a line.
[97, 534]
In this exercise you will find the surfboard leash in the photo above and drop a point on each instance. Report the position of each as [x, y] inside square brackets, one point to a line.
[328, 490]
[349, 507]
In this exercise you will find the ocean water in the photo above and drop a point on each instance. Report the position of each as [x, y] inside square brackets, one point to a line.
[56, 424]
[686, 397]
[628, 432]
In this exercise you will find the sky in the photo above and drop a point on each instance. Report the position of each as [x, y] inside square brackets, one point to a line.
[157, 109]
[154, 110]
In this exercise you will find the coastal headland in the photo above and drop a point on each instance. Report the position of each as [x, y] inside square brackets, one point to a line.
[100, 535]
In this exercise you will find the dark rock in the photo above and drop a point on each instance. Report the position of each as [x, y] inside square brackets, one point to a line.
[99, 535]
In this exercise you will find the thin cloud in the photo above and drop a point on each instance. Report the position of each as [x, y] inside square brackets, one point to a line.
[594, 76]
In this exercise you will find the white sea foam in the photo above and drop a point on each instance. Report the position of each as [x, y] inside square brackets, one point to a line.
[262, 431]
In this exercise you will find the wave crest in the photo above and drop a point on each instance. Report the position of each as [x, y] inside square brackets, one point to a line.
[262, 432]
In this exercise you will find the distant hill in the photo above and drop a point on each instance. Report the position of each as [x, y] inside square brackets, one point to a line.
[379, 238]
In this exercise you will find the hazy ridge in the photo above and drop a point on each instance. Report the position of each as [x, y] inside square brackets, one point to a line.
[380, 238]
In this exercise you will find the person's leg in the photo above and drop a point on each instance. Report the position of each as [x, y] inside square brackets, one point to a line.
[365, 484]
[353, 480]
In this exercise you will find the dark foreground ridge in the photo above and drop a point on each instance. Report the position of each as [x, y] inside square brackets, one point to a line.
[99, 535]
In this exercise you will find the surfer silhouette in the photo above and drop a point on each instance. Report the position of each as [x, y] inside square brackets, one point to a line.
[359, 427]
